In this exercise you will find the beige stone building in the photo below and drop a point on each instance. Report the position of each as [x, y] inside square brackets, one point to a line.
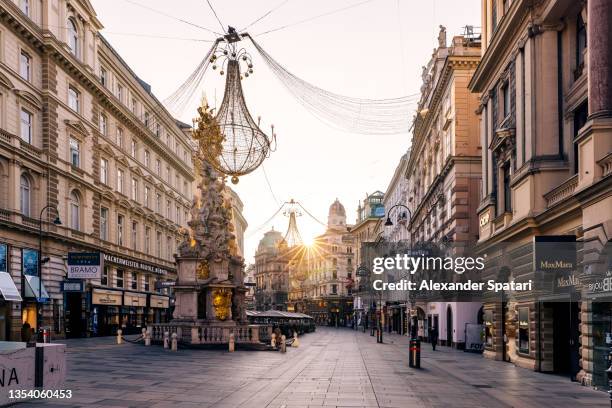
[546, 130]
[443, 172]
[271, 272]
[83, 138]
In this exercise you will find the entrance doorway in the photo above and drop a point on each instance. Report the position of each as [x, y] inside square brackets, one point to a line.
[75, 324]
[566, 331]
[449, 326]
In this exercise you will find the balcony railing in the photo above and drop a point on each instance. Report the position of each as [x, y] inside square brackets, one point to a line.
[606, 165]
[561, 192]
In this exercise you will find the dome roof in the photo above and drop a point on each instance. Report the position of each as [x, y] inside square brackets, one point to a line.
[271, 240]
[337, 209]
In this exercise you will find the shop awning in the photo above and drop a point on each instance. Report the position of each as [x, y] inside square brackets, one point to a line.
[8, 290]
[31, 289]
[160, 302]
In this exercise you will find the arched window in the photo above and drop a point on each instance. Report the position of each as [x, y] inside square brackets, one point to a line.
[24, 189]
[73, 37]
[75, 211]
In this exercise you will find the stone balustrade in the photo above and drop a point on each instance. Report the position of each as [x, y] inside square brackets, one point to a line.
[559, 193]
[210, 334]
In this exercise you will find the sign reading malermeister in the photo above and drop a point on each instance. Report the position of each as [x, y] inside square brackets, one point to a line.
[85, 265]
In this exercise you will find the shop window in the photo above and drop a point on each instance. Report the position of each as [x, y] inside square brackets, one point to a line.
[119, 278]
[134, 283]
[523, 337]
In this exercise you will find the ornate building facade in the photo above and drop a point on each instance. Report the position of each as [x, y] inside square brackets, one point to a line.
[443, 172]
[83, 138]
[271, 272]
[546, 130]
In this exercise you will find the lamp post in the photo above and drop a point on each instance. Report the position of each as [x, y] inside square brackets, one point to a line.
[56, 221]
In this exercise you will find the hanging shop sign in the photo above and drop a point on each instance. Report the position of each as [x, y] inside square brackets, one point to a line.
[134, 264]
[107, 297]
[85, 265]
[72, 286]
[29, 262]
[165, 284]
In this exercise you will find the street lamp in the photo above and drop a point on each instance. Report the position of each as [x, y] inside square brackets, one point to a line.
[56, 221]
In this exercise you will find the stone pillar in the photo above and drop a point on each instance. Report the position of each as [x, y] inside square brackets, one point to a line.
[599, 37]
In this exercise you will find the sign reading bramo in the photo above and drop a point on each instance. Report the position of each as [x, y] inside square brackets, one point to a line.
[85, 265]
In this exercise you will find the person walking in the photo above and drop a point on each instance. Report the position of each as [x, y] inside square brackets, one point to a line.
[433, 336]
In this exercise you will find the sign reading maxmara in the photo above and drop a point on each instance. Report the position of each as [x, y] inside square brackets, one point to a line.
[130, 263]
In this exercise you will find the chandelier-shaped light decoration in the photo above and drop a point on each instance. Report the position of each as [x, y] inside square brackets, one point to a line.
[244, 146]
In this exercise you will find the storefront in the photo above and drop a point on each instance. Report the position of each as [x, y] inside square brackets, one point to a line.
[134, 313]
[159, 309]
[105, 310]
[8, 295]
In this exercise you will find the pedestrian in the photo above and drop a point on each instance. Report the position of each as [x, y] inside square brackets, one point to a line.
[433, 335]
[26, 333]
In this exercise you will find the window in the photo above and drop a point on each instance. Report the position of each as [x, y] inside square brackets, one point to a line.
[104, 171]
[133, 148]
[146, 284]
[506, 95]
[158, 130]
[73, 99]
[507, 189]
[134, 189]
[73, 37]
[168, 212]
[494, 15]
[168, 247]
[158, 203]
[523, 323]
[147, 158]
[581, 43]
[75, 152]
[146, 119]
[580, 118]
[104, 223]
[24, 195]
[158, 244]
[120, 92]
[168, 174]
[134, 235]
[177, 181]
[26, 126]
[103, 77]
[24, 66]
[119, 278]
[134, 106]
[75, 211]
[147, 241]
[103, 125]
[184, 187]
[178, 214]
[120, 229]
[334, 289]
[25, 7]
[134, 281]
[119, 138]
[147, 190]
[120, 181]
[158, 167]
[104, 279]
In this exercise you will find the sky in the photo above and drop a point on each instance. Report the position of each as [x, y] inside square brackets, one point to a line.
[374, 50]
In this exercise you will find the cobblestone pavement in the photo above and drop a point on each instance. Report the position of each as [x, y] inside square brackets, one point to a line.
[331, 368]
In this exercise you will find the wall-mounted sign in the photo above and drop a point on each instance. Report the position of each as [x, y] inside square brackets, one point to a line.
[160, 302]
[72, 286]
[29, 262]
[85, 265]
[167, 284]
[484, 219]
[134, 299]
[134, 264]
[555, 253]
[107, 297]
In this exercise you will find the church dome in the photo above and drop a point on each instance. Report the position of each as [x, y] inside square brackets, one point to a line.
[337, 209]
[271, 240]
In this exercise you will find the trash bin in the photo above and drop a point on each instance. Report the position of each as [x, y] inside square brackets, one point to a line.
[414, 357]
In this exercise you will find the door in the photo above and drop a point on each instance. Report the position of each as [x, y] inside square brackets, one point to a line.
[449, 326]
[74, 315]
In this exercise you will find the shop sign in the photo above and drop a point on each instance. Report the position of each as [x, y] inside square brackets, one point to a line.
[134, 299]
[106, 297]
[166, 284]
[85, 265]
[160, 302]
[72, 286]
[134, 264]
[3, 258]
[29, 262]
[555, 253]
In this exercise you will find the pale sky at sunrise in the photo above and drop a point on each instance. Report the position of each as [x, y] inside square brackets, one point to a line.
[374, 50]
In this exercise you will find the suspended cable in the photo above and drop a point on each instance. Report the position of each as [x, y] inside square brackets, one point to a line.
[315, 17]
[268, 182]
[311, 216]
[356, 115]
[173, 17]
[265, 15]
[216, 16]
[159, 36]
[267, 221]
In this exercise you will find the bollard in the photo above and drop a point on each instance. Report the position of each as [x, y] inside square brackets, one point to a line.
[119, 338]
[148, 337]
[143, 334]
[414, 356]
[231, 343]
[296, 342]
[166, 340]
[283, 345]
[174, 342]
[273, 341]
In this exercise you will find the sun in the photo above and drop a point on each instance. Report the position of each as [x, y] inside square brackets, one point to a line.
[309, 241]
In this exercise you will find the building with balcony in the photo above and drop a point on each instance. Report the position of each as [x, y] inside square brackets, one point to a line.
[83, 138]
[545, 117]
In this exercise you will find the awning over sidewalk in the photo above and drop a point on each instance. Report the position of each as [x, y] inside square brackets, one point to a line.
[31, 289]
[8, 290]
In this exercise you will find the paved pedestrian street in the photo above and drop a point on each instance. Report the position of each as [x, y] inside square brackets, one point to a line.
[331, 368]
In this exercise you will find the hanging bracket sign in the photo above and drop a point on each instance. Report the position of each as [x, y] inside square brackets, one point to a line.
[85, 265]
